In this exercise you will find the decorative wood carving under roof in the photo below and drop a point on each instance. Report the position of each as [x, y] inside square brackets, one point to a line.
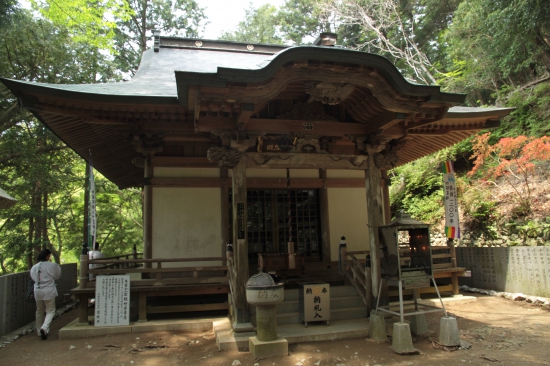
[192, 95]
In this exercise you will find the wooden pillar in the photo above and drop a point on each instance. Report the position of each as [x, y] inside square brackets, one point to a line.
[325, 231]
[386, 196]
[241, 321]
[375, 218]
[148, 211]
[225, 211]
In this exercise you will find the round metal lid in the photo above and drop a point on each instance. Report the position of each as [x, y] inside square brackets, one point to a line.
[260, 280]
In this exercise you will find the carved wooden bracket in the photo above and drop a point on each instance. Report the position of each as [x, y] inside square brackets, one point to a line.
[306, 161]
[308, 112]
[389, 158]
[386, 160]
[147, 144]
[328, 93]
[225, 157]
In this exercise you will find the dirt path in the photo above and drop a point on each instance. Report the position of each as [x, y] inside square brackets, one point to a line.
[502, 332]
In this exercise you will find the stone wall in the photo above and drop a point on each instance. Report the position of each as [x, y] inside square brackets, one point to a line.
[15, 312]
[512, 269]
[472, 239]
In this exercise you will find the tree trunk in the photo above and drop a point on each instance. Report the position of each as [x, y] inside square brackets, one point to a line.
[544, 49]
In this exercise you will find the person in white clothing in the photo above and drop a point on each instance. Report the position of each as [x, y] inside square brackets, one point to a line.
[44, 274]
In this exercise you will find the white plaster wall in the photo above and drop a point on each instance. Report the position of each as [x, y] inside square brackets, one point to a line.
[187, 224]
[187, 172]
[348, 217]
[304, 173]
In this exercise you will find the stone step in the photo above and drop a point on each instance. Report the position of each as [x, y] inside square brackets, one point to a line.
[335, 291]
[335, 303]
[226, 339]
[335, 314]
[295, 333]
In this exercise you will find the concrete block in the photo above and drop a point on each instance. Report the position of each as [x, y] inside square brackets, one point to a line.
[261, 350]
[419, 325]
[448, 332]
[76, 330]
[194, 325]
[402, 339]
[377, 327]
[242, 327]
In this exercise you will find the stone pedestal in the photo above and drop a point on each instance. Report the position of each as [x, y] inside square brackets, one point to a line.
[419, 325]
[261, 350]
[448, 332]
[377, 327]
[266, 323]
[402, 340]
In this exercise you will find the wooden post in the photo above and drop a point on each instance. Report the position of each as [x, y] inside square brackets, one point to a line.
[83, 270]
[142, 303]
[82, 309]
[241, 321]
[147, 211]
[325, 232]
[224, 191]
[368, 284]
[375, 217]
[386, 196]
[454, 275]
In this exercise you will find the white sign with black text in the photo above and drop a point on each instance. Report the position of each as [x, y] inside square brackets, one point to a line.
[112, 301]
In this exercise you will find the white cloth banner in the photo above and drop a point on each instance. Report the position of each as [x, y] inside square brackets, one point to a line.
[92, 217]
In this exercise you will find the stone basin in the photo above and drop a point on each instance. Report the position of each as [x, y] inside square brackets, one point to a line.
[262, 290]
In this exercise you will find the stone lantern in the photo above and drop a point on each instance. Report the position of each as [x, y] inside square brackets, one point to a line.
[265, 294]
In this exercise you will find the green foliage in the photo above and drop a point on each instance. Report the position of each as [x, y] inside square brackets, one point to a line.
[530, 229]
[90, 21]
[36, 167]
[531, 116]
[417, 188]
[260, 26]
[122, 26]
[302, 20]
[494, 43]
[183, 18]
[478, 206]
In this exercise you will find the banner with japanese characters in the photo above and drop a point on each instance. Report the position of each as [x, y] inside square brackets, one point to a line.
[112, 301]
[92, 215]
[452, 226]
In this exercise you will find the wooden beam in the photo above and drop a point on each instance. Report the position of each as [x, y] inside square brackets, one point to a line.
[280, 126]
[247, 110]
[260, 183]
[183, 162]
